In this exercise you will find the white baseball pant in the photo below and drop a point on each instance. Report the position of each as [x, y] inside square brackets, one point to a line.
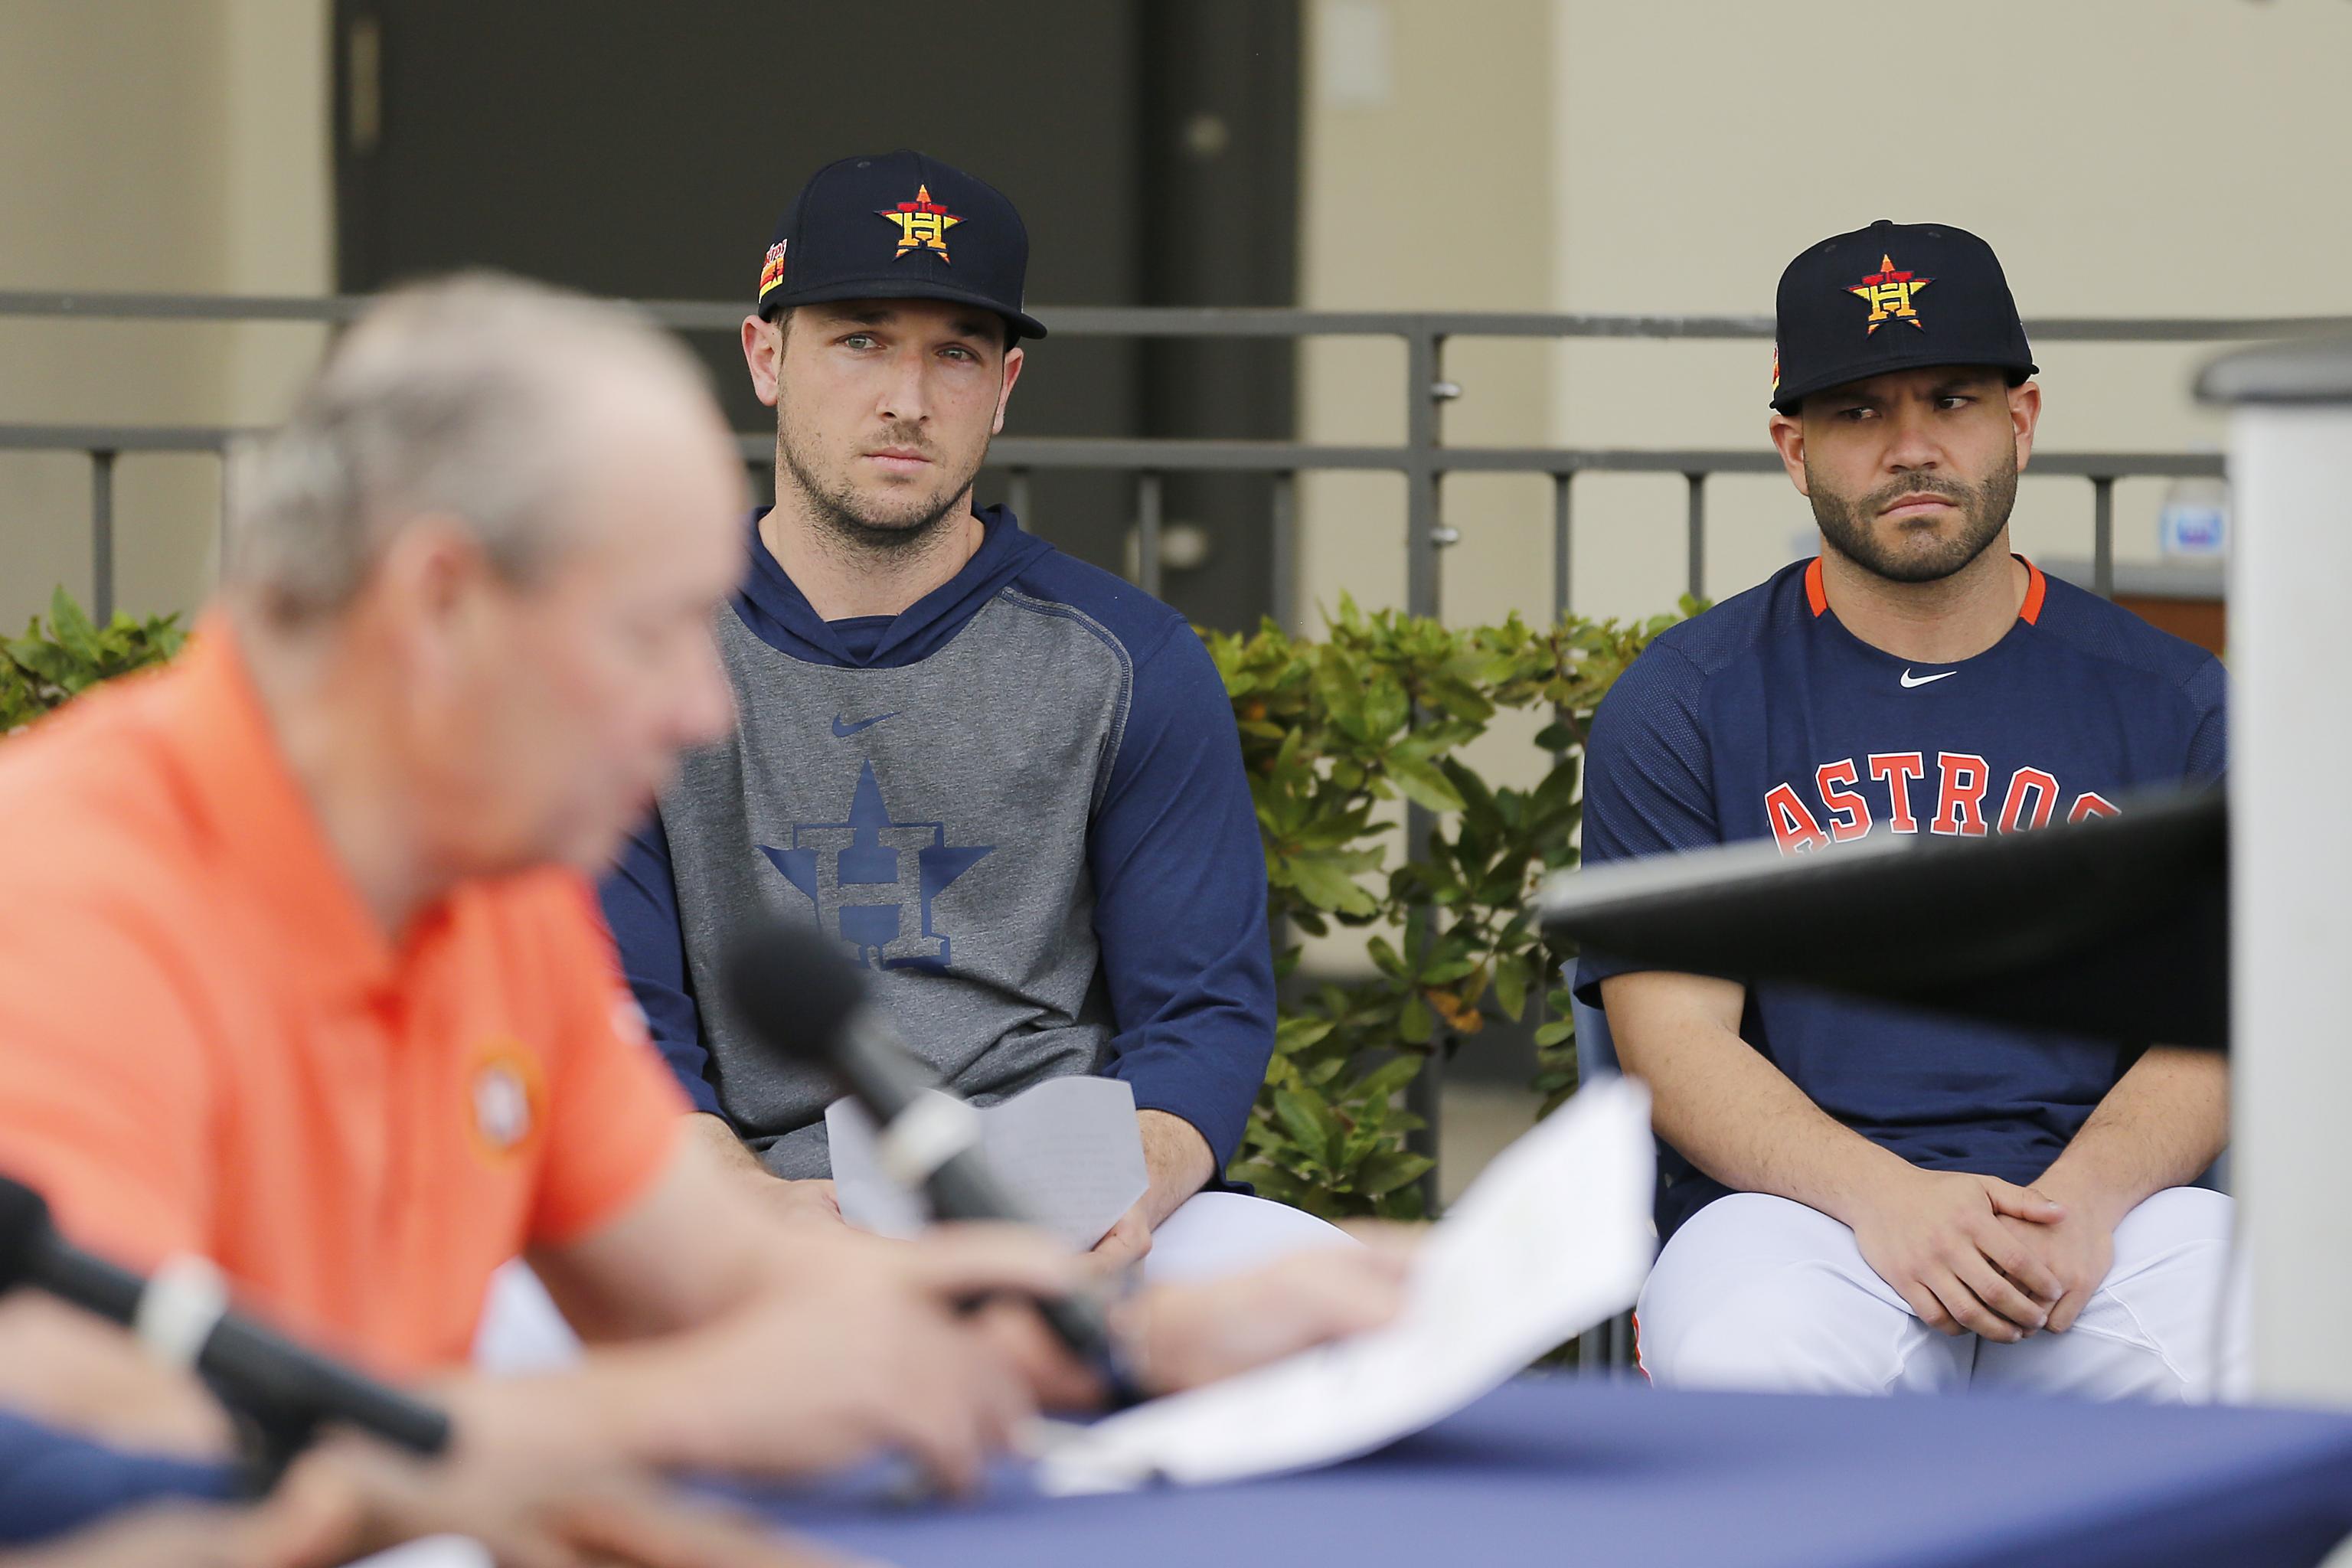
[1758, 1292]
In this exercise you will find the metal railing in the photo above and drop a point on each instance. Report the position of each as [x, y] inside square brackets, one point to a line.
[1422, 457]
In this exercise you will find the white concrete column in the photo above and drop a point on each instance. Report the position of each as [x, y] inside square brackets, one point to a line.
[2291, 854]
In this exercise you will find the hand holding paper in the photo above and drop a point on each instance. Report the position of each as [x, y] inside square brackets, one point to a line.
[1554, 1237]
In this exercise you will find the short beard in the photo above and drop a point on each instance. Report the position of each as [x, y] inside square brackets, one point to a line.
[1984, 509]
[837, 509]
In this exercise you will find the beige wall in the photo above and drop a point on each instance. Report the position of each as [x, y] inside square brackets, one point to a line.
[165, 147]
[1428, 147]
[2125, 157]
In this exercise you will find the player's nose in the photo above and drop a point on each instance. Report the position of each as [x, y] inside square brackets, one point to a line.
[904, 394]
[1911, 443]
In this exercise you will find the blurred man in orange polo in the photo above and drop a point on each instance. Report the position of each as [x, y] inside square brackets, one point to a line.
[299, 971]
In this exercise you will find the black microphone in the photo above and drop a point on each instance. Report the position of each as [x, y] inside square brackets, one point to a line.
[796, 990]
[181, 1315]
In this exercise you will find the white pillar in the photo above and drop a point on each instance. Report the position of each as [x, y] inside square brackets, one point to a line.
[2291, 854]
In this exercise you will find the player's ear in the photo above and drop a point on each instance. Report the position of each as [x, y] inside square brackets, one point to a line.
[1013, 360]
[764, 353]
[2024, 415]
[1787, 435]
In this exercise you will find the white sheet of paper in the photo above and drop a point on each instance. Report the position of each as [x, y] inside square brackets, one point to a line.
[1553, 1238]
[1068, 1151]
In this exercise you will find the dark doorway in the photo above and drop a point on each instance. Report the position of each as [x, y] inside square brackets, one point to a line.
[644, 151]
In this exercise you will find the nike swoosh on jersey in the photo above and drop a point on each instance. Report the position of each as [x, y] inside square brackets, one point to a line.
[842, 732]
[1908, 682]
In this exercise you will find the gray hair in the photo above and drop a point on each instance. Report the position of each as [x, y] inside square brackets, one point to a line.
[459, 397]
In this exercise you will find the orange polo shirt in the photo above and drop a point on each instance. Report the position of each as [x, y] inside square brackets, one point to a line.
[207, 1045]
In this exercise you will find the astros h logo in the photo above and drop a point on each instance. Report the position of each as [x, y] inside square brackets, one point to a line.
[1889, 293]
[873, 879]
[922, 223]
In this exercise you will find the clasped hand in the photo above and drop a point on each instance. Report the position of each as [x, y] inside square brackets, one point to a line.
[1972, 1254]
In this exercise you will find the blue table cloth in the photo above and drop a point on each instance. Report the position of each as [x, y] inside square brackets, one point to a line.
[1564, 1470]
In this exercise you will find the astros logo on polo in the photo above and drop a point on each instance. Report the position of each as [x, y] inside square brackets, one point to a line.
[922, 223]
[1889, 293]
[506, 1092]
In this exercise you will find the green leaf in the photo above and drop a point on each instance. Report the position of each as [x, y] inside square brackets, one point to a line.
[1423, 784]
[1327, 885]
[1308, 1119]
[1388, 1170]
[1553, 1033]
[1511, 987]
[1390, 1076]
[1292, 1035]
[72, 628]
[1415, 1024]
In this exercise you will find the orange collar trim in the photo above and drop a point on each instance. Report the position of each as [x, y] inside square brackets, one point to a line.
[2036, 585]
[2036, 589]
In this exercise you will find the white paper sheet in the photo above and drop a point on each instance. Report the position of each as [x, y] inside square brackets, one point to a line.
[1553, 1239]
[1068, 1151]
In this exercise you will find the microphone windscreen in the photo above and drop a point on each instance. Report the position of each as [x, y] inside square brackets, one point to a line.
[792, 985]
[24, 1221]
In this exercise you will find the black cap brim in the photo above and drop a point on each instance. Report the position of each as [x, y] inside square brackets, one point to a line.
[1023, 325]
[1787, 399]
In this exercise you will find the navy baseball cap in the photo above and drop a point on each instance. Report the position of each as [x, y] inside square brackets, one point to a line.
[1895, 296]
[900, 227]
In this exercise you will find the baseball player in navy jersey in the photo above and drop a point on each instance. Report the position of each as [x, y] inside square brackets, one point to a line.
[1853, 1197]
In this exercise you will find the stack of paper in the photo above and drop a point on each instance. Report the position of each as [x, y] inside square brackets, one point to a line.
[1554, 1237]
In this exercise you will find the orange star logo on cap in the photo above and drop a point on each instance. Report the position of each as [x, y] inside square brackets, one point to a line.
[922, 223]
[1889, 294]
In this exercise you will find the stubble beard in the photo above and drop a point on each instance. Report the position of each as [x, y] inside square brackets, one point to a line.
[854, 522]
[1984, 509]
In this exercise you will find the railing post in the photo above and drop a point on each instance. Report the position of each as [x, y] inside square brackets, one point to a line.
[1560, 577]
[1696, 545]
[1148, 495]
[2102, 535]
[228, 451]
[1284, 588]
[1016, 496]
[1422, 394]
[1422, 397]
[102, 536]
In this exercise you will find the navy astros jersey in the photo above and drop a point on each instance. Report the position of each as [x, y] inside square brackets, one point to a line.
[1767, 718]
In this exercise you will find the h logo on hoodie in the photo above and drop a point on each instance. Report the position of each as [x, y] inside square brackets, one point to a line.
[873, 879]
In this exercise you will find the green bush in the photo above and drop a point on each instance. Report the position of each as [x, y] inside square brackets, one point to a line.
[44, 669]
[1379, 709]
[1382, 708]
